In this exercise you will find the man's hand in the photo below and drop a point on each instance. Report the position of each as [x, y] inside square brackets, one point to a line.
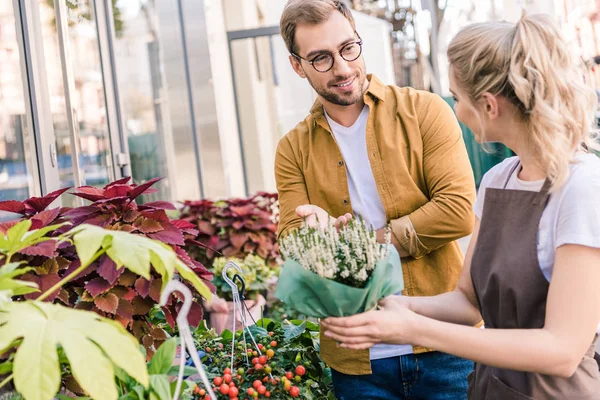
[316, 216]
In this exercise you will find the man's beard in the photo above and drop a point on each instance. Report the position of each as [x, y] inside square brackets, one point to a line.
[341, 99]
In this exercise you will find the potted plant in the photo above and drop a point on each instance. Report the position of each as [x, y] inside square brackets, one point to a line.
[288, 365]
[48, 346]
[257, 276]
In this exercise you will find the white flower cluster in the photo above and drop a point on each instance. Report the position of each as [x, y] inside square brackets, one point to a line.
[348, 255]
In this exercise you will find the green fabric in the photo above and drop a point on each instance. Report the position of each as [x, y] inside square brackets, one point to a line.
[320, 297]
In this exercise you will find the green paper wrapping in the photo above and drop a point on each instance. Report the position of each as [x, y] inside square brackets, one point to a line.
[318, 297]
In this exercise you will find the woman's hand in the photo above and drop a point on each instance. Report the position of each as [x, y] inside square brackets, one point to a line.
[316, 216]
[393, 323]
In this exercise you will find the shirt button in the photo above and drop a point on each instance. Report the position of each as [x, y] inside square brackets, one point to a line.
[345, 201]
[340, 163]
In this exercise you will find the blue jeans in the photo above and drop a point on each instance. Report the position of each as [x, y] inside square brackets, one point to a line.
[425, 376]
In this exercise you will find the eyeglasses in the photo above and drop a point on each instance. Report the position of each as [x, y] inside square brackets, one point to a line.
[324, 61]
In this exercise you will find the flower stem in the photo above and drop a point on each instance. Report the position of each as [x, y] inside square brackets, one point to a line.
[71, 275]
[5, 382]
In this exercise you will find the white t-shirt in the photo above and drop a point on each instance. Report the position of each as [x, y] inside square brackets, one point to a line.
[572, 215]
[365, 199]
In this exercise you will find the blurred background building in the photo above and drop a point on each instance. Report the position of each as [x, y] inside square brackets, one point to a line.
[198, 91]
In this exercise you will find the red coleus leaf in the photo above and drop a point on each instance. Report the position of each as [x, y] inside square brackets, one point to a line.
[238, 239]
[159, 215]
[125, 309]
[169, 235]
[39, 204]
[121, 181]
[238, 225]
[44, 218]
[76, 264]
[107, 303]
[138, 190]
[206, 227]
[158, 334]
[12, 206]
[116, 190]
[150, 226]
[142, 286]
[63, 296]
[160, 205]
[89, 193]
[155, 287]
[142, 306]
[204, 245]
[147, 341]
[131, 215]
[84, 211]
[50, 266]
[5, 226]
[108, 269]
[186, 227]
[98, 286]
[196, 266]
[243, 211]
[169, 317]
[102, 220]
[46, 249]
[130, 295]
[44, 283]
[127, 278]
[195, 314]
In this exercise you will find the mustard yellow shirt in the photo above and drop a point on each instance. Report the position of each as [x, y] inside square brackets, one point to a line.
[423, 175]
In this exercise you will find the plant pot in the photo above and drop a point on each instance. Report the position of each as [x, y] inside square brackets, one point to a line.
[224, 320]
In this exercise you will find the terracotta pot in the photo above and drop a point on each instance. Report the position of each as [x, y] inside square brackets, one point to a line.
[221, 320]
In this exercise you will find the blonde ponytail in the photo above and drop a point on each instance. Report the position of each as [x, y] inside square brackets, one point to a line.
[529, 63]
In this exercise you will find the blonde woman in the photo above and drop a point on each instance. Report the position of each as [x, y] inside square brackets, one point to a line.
[532, 270]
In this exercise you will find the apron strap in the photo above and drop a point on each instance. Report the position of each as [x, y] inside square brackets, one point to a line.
[543, 194]
[512, 171]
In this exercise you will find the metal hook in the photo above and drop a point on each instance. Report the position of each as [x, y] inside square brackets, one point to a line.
[231, 264]
[242, 283]
[187, 341]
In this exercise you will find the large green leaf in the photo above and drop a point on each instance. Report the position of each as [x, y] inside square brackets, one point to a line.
[19, 236]
[13, 287]
[136, 253]
[162, 360]
[91, 343]
[159, 385]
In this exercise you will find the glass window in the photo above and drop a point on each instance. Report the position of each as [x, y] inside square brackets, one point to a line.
[142, 91]
[17, 156]
[185, 164]
[87, 99]
[211, 159]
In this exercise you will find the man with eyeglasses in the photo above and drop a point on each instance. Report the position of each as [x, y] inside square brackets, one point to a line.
[393, 156]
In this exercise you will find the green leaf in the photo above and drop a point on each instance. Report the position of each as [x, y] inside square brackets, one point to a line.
[17, 287]
[15, 234]
[140, 391]
[6, 367]
[87, 241]
[226, 334]
[12, 270]
[122, 375]
[91, 343]
[163, 358]
[191, 277]
[159, 384]
[291, 331]
[19, 237]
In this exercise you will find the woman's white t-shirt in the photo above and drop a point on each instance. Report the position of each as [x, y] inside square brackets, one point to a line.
[572, 215]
